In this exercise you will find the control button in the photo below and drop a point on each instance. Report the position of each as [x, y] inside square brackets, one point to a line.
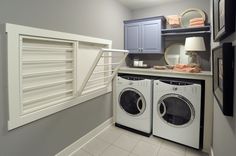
[175, 88]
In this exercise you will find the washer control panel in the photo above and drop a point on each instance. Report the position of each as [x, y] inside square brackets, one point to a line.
[133, 81]
[133, 78]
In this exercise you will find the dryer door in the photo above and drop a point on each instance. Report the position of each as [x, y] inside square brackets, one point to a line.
[132, 102]
[175, 110]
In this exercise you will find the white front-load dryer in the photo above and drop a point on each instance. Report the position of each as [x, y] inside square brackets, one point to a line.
[134, 104]
[177, 112]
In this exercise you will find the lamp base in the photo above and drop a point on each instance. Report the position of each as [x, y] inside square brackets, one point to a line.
[193, 58]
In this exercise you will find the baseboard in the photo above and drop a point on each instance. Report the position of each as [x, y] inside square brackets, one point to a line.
[212, 152]
[71, 149]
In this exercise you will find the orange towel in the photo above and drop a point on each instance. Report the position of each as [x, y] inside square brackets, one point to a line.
[173, 20]
[200, 25]
[196, 23]
[187, 68]
[196, 20]
[181, 66]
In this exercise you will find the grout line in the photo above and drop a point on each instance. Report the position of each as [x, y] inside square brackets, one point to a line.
[112, 144]
[105, 149]
[135, 146]
[120, 148]
[81, 147]
[158, 151]
[107, 141]
[86, 152]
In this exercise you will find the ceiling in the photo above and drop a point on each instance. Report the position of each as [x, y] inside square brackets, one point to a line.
[139, 4]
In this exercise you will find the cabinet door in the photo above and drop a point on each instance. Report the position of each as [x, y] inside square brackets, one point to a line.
[132, 37]
[151, 41]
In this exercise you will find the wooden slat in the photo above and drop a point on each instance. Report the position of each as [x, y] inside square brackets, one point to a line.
[46, 85]
[93, 89]
[32, 108]
[28, 102]
[105, 71]
[36, 48]
[115, 50]
[95, 85]
[108, 64]
[35, 74]
[112, 56]
[46, 61]
[100, 78]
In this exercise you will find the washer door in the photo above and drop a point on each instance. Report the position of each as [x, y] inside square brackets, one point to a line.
[175, 110]
[132, 102]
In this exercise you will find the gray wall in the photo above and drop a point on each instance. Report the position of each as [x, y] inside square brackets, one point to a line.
[173, 9]
[224, 128]
[48, 136]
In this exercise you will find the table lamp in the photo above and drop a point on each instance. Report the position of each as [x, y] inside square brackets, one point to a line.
[192, 46]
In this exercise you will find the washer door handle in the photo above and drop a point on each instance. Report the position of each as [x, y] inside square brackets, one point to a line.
[139, 99]
[164, 109]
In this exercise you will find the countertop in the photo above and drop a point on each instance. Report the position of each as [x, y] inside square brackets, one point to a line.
[172, 73]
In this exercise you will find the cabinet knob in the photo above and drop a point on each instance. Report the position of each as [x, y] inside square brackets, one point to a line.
[174, 88]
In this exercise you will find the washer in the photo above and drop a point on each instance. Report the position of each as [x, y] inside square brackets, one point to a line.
[177, 112]
[134, 104]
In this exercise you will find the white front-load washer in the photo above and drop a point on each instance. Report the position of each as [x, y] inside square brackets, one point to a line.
[134, 104]
[177, 112]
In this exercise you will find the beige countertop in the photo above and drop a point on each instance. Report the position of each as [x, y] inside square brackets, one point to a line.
[172, 73]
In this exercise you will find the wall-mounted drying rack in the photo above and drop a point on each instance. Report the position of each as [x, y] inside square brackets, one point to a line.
[48, 71]
[47, 68]
[103, 70]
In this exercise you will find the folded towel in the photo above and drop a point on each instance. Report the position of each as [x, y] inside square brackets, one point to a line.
[189, 69]
[173, 20]
[196, 20]
[192, 68]
[181, 66]
[196, 23]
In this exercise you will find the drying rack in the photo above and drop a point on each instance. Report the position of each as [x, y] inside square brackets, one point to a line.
[98, 79]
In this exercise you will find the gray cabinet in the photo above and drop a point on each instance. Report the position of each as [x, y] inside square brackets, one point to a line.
[144, 36]
[132, 37]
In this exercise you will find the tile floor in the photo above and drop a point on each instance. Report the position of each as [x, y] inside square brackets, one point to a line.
[118, 142]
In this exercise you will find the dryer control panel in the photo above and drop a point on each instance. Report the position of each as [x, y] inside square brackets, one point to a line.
[133, 81]
[177, 83]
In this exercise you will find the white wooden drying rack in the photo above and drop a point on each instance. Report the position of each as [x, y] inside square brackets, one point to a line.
[110, 73]
[38, 87]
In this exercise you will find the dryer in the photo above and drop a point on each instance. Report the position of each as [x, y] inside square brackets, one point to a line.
[177, 112]
[134, 104]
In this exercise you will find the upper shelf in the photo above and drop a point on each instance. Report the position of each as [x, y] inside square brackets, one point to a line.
[187, 31]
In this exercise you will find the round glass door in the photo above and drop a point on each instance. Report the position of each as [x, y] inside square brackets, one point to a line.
[175, 110]
[132, 102]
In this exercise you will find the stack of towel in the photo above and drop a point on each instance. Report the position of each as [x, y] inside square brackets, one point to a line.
[197, 22]
[191, 68]
[173, 21]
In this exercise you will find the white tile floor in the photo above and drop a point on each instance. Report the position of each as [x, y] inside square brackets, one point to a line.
[118, 142]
